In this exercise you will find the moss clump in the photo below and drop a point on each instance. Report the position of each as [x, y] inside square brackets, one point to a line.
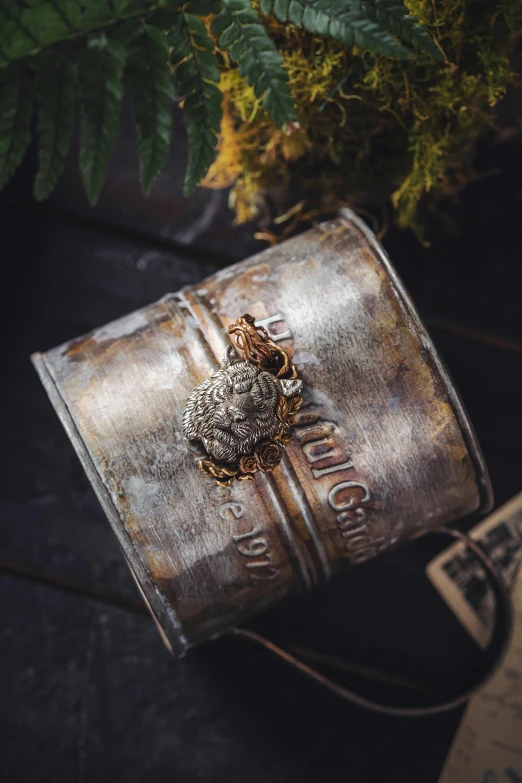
[372, 129]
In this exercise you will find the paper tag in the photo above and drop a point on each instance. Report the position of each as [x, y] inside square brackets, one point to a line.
[460, 579]
[488, 744]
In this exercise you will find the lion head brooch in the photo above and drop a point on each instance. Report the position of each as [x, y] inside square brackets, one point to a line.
[242, 416]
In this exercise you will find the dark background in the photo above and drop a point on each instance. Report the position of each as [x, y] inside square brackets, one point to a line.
[88, 691]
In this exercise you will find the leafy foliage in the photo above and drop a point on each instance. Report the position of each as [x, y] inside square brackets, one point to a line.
[16, 106]
[196, 75]
[259, 62]
[49, 47]
[348, 22]
[152, 92]
[394, 16]
[56, 92]
[375, 131]
[101, 73]
[27, 28]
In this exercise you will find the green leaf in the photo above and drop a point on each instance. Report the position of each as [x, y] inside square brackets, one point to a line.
[150, 84]
[56, 94]
[370, 24]
[29, 26]
[103, 11]
[259, 62]
[395, 16]
[196, 75]
[54, 19]
[266, 7]
[16, 108]
[26, 27]
[19, 36]
[345, 21]
[101, 71]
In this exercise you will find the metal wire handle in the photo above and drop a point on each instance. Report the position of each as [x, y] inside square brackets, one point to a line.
[494, 652]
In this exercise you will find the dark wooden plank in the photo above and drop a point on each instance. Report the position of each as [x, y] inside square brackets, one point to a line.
[90, 694]
[203, 221]
[65, 538]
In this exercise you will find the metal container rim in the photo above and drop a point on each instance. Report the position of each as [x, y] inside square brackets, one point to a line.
[463, 420]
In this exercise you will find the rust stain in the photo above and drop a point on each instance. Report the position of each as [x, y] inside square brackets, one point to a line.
[159, 564]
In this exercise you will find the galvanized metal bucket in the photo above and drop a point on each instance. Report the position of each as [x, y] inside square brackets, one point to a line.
[382, 452]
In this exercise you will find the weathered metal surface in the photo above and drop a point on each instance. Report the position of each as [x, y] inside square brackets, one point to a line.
[382, 449]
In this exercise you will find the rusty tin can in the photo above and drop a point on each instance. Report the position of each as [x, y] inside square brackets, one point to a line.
[382, 449]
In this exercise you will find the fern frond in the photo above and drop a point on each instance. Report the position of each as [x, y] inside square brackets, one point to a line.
[196, 76]
[16, 108]
[394, 15]
[103, 12]
[95, 38]
[267, 7]
[150, 85]
[19, 37]
[244, 36]
[29, 26]
[345, 21]
[56, 95]
[54, 17]
[101, 72]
